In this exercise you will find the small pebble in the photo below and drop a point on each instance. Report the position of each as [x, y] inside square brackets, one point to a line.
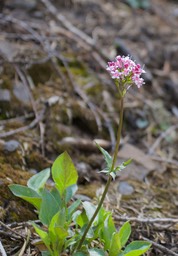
[125, 189]
[11, 145]
[21, 93]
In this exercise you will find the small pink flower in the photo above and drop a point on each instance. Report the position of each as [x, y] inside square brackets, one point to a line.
[125, 70]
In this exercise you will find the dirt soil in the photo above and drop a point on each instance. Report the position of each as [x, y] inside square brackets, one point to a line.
[56, 95]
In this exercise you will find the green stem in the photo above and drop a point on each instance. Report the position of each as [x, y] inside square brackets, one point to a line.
[118, 133]
[109, 178]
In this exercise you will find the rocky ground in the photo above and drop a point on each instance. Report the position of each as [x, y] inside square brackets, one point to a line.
[56, 95]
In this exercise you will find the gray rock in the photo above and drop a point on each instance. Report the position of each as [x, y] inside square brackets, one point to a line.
[11, 145]
[21, 93]
[5, 95]
[125, 189]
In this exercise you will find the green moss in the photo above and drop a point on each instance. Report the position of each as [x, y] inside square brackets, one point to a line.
[14, 159]
[12, 208]
[78, 71]
[7, 83]
[40, 73]
[35, 160]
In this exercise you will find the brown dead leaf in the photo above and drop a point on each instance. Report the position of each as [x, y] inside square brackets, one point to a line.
[130, 151]
[141, 165]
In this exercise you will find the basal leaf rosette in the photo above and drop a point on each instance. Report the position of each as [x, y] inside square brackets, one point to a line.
[125, 73]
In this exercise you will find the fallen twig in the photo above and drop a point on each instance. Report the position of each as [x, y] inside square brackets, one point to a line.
[11, 230]
[10, 235]
[24, 128]
[18, 118]
[147, 220]
[161, 247]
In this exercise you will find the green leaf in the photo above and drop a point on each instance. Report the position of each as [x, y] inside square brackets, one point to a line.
[90, 233]
[27, 194]
[73, 207]
[49, 207]
[121, 254]
[61, 233]
[106, 155]
[63, 172]
[45, 253]
[113, 175]
[58, 236]
[43, 235]
[71, 241]
[96, 252]
[124, 233]
[57, 220]
[55, 193]
[70, 192]
[115, 245]
[106, 170]
[57, 232]
[75, 216]
[98, 229]
[37, 181]
[89, 209]
[137, 248]
[123, 165]
[107, 231]
[80, 218]
[102, 214]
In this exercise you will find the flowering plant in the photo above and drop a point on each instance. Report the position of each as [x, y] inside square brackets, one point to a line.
[81, 228]
[126, 73]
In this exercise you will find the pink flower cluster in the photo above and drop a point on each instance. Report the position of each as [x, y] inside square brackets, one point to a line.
[126, 71]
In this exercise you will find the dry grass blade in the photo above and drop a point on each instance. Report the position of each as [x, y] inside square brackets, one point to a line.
[3, 252]
[25, 244]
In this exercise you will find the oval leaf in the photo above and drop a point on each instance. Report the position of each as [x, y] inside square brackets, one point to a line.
[89, 209]
[70, 192]
[27, 194]
[115, 245]
[43, 234]
[73, 207]
[107, 231]
[49, 207]
[37, 181]
[124, 233]
[63, 172]
[136, 248]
